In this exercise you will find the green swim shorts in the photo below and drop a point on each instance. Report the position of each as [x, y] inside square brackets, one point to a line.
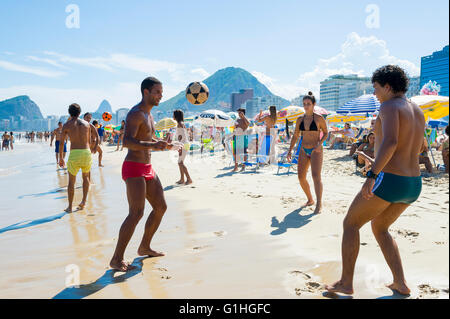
[397, 189]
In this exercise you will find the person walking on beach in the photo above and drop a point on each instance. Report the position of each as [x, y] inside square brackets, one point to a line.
[121, 134]
[5, 142]
[181, 137]
[392, 184]
[141, 180]
[95, 139]
[79, 133]
[268, 143]
[310, 126]
[11, 140]
[240, 139]
[57, 134]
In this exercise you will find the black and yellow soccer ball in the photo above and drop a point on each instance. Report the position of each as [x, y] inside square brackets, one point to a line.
[197, 93]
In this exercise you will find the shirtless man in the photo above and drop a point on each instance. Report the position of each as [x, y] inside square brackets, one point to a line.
[5, 143]
[95, 138]
[240, 138]
[392, 184]
[270, 122]
[57, 134]
[79, 132]
[141, 180]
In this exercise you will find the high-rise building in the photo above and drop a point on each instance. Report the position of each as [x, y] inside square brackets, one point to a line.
[414, 87]
[434, 67]
[256, 104]
[298, 100]
[339, 89]
[121, 114]
[237, 99]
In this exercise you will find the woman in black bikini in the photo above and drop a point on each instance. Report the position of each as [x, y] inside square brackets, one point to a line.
[310, 125]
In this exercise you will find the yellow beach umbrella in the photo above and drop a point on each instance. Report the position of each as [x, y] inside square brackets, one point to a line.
[291, 113]
[338, 118]
[433, 106]
[165, 124]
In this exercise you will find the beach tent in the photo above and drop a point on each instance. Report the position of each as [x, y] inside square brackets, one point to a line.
[363, 105]
[433, 106]
[165, 124]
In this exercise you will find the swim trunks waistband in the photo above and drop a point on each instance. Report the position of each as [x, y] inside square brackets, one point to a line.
[135, 169]
[57, 147]
[398, 189]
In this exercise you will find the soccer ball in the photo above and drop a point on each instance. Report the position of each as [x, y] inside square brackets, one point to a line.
[106, 116]
[197, 93]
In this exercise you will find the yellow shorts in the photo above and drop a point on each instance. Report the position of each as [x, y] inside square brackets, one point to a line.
[79, 159]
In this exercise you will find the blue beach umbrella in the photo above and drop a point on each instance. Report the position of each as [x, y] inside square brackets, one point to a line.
[363, 105]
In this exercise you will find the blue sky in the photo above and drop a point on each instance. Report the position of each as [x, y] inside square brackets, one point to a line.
[289, 45]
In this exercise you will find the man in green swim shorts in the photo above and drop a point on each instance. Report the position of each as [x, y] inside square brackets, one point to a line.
[392, 184]
[79, 132]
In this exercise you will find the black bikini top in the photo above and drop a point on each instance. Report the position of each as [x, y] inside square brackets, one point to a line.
[312, 127]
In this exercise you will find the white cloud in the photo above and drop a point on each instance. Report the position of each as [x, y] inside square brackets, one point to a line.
[202, 72]
[28, 69]
[48, 61]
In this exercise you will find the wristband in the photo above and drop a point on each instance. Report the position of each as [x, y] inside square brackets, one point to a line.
[371, 174]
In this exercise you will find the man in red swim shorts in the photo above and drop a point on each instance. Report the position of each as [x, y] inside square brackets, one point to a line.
[139, 176]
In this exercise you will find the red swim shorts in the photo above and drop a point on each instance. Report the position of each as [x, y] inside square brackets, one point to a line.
[134, 169]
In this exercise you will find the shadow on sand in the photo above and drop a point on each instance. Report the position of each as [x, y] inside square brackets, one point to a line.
[107, 279]
[292, 220]
[31, 223]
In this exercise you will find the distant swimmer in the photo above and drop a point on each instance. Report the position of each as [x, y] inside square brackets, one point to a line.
[310, 126]
[79, 133]
[57, 135]
[393, 183]
[141, 180]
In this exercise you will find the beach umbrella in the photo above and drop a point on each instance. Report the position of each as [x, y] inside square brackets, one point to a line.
[364, 104]
[433, 106]
[339, 118]
[233, 115]
[437, 123]
[291, 113]
[320, 110]
[189, 119]
[165, 124]
[215, 118]
[108, 127]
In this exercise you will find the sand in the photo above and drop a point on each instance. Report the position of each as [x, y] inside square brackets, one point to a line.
[229, 235]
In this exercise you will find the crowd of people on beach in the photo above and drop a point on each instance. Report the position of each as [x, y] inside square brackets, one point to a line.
[388, 153]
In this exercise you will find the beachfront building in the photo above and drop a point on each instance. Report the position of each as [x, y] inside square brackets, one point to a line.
[298, 100]
[414, 87]
[434, 67]
[339, 89]
[237, 99]
[254, 105]
[121, 115]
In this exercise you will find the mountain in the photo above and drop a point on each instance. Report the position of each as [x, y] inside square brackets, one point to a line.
[20, 105]
[104, 107]
[221, 84]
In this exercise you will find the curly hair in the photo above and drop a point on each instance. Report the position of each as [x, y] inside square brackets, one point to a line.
[393, 75]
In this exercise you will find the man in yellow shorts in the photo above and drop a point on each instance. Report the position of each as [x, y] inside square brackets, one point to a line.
[79, 133]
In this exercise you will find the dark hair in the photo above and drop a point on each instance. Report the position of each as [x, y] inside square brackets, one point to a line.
[273, 112]
[364, 139]
[148, 84]
[446, 130]
[370, 134]
[86, 114]
[393, 75]
[241, 110]
[310, 97]
[178, 115]
[59, 122]
[94, 122]
[74, 110]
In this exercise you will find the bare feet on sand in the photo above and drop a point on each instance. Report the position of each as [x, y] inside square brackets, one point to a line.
[120, 265]
[149, 252]
[100, 165]
[309, 203]
[68, 209]
[318, 209]
[188, 182]
[181, 181]
[81, 206]
[338, 287]
[400, 288]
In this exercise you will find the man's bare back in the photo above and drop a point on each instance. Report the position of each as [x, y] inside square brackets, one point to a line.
[79, 133]
[406, 117]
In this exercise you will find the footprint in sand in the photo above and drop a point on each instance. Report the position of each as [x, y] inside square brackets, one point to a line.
[220, 233]
[161, 269]
[254, 195]
[166, 277]
[201, 247]
[407, 233]
[310, 287]
[300, 273]
[428, 290]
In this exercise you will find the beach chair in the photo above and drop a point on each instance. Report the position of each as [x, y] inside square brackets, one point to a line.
[262, 153]
[283, 158]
